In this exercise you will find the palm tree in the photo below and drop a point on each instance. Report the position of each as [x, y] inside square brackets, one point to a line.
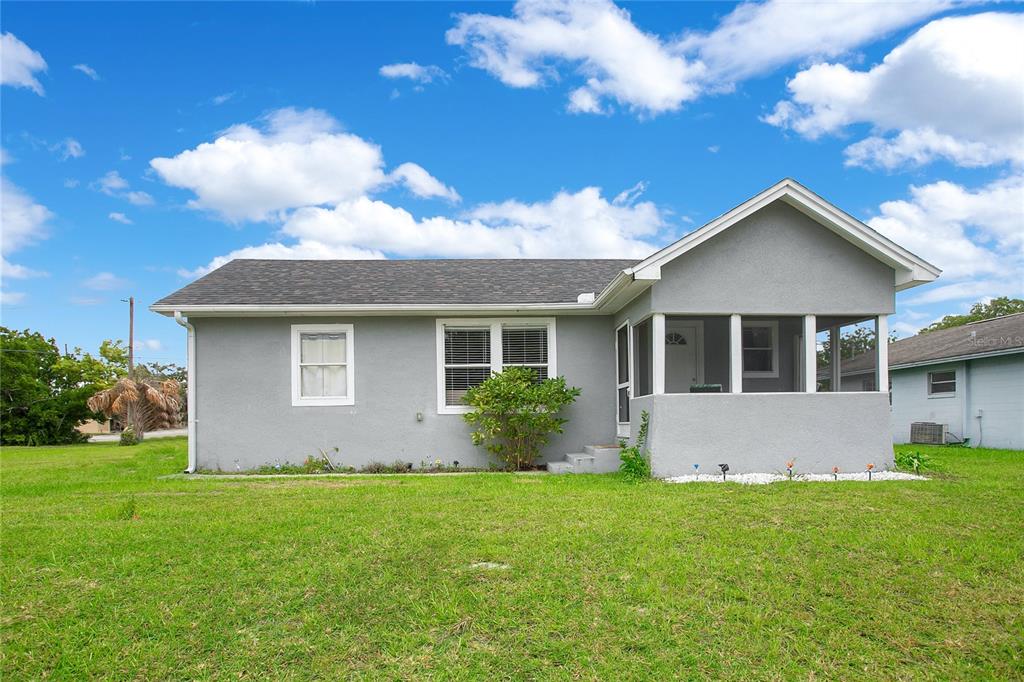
[143, 405]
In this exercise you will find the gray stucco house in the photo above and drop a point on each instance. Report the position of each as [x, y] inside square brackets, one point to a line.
[373, 357]
[968, 380]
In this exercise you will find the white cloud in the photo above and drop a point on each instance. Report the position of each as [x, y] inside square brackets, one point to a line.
[582, 224]
[714, 149]
[14, 271]
[71, 183]
[951, 91]
[414, 72]
[298, 158]
[757, 38]
[24, 221]
[105, 281]
[19, 63]
[112, 184]
[120, 218]
[294, 159]
[70, 148]
[221, 99]
[423, 184]
[149, 344]
[87, 70]
[616, 60]
[85, 300]
[11, 297]
[975, 236]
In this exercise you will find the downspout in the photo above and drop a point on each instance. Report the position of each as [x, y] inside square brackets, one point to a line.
[190, 390]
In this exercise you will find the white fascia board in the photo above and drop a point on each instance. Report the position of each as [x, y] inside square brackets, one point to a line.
[374, 309]
[911, 270]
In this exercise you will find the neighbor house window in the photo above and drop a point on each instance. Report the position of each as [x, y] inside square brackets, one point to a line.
[322, 372]
[942, 383]
[760, 349]
[470, 350]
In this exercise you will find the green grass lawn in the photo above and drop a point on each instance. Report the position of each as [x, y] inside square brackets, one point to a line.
[110, 571]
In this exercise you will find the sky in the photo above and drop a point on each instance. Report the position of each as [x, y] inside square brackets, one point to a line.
[145, 143]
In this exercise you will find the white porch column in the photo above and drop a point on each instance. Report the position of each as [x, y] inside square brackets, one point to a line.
[810, 354]
[736, 354]
[833, 360]
[882, 350]
[658, 352]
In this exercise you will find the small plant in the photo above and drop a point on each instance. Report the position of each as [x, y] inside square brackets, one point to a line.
[725, 470]
[128, 511]
[789, 469]
[870, 467]
[636, 463]
[913, 459]
[835, 473]
[128, 437]
[514, 415]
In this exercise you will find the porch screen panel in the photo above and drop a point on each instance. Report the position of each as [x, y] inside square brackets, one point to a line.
[622, 338]
[643, 352]
[526, 347]
[467, 361]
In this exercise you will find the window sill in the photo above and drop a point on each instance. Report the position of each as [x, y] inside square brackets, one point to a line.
[454, 409]
[939, 396]
[322, 402]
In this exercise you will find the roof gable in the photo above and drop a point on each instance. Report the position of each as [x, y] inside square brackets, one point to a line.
[910, 269]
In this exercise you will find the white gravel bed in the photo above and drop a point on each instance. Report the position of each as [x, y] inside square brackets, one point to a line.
[764, 479]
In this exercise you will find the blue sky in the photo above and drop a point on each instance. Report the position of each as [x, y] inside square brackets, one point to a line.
[144, 143]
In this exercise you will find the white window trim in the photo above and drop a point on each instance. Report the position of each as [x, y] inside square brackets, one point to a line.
[774, 326]
[495, 324]
[944, 394]
[350, 398]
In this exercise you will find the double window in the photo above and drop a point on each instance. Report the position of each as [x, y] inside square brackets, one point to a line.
[322, 364]
[470, 350]
[942, 383]
[760, 349]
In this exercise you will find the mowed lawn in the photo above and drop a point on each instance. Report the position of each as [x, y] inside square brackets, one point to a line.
[110, 571]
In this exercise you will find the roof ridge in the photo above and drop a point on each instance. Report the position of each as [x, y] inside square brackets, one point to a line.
[991, 319]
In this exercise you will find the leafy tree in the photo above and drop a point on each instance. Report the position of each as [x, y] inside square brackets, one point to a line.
[852, 343]
[43, 393]
[514, 415]
[997, 307]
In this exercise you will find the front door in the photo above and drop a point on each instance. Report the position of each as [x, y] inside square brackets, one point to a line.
[683, 366]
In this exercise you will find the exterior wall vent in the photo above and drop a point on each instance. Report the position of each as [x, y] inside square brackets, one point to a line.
[929, 433]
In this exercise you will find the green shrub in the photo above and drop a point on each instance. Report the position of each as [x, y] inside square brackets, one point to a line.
[396, 467]
[914, 460]
[636, 461]
[514, 415]
[128, 437]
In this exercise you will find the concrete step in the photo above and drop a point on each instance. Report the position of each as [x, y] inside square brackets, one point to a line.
[560, 468]
[582, 463]
[606, 458]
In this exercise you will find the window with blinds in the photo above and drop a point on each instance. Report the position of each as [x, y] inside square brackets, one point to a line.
[467, 361]
[475, 348]
[526, 347]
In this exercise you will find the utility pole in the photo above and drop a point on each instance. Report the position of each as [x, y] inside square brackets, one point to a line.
[131, 336]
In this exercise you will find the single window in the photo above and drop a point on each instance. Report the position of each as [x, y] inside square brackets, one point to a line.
[322, 365]
[942, 383]
[643, 361]
[760, 349]
[467, 361]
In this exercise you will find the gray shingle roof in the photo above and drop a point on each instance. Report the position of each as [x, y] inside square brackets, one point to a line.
[369, 282]
[987, 336]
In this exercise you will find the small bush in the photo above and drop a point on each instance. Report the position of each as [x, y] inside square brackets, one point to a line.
[396, 467]
[914, 460]
[128, 437]
[636, 461]
[514, 415]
